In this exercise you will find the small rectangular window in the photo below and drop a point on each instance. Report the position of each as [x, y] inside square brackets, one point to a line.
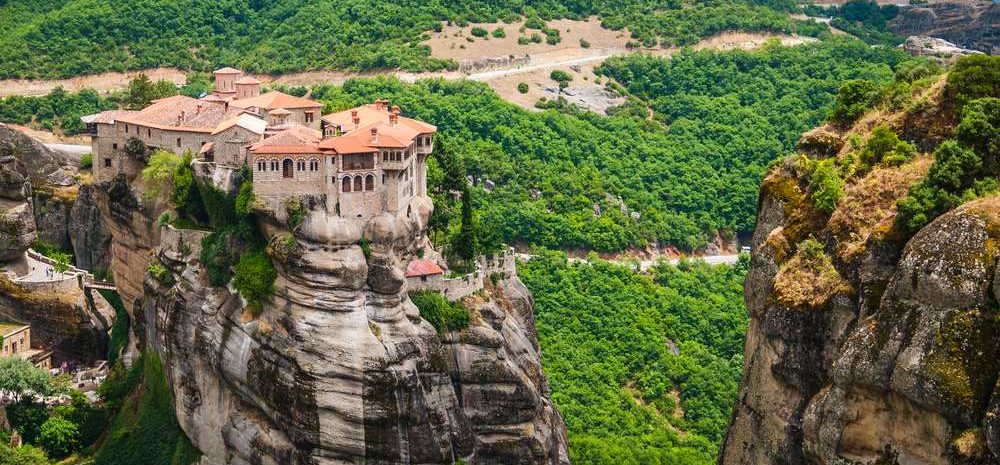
[114, 146]
[107, 163]
[309, 116]
[178, 141]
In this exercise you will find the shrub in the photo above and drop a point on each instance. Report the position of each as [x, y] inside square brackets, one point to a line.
[160, 273]
[27, 418]
[534, 22]
[59, 437]
[87, 161]
[163, 219]
[89, 419]
[296, 214]
[439, 312]
[523, 40]
[145, 430]
[159, 174]
[245, 199]
[185, 194]
[217, 258]
[24, 455]
[522, 87]
[254, 277]
[972, 77]
[885, 146]
[827, 187]
[562, 77]
[479, 32]
[536, 38]
[584, 43]
[854, 98]
[499, 33]
[552, 36]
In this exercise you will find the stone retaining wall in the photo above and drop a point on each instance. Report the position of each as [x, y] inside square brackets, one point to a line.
[457, 288]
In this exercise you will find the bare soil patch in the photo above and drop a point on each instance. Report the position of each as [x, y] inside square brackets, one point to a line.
[104, 82]
[452, 42]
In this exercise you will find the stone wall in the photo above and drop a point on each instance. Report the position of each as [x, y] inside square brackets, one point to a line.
[462, 286]
[486, 64]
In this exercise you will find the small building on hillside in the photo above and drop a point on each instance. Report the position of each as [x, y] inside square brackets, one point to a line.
[17, 343]
[421, 271]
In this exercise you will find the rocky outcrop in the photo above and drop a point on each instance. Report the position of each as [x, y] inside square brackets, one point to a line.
[87, 232]
[67, 323]
[970, 25]
[338, 367]
[40, 165]
[17, 229]
[866, 345]
[937, 49]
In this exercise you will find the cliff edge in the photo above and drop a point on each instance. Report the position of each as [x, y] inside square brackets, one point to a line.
[875, 333]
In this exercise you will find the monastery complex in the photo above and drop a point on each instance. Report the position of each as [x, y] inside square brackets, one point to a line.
[364, 161]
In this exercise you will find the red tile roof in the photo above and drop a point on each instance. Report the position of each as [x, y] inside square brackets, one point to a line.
[182, 113]
[228, 70]
[423, 267]
[368, 114]
[294, 138]
[106, 117]
[274, 100]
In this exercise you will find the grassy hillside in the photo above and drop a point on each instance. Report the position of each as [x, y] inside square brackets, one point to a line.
[59, 38]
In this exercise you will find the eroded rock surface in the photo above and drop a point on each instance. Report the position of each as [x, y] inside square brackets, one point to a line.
[339, 368]
[901, 371]
[971, 25]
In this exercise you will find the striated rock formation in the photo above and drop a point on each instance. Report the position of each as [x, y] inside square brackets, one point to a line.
[87, 233]
[339, 367]
[971, 25]
[866, 345]
[63, 317]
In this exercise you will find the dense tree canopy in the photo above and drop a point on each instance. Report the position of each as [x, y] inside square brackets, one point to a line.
[59, 38]
[720, 119]
[644, 369]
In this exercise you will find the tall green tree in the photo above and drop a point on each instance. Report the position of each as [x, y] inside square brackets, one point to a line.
[465, 245]
[19, 378]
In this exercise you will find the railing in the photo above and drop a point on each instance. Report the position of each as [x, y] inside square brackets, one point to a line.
[85, 279]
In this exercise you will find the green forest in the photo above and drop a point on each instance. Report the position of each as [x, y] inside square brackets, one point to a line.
[691, 172]
[61, 38]
[643, 368]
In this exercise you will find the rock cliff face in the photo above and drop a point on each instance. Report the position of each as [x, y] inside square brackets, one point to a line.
[971, 25]
[887, 349]
[339, 367]
[62, 317]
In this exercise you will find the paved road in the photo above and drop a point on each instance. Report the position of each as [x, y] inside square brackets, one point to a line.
[645, 265]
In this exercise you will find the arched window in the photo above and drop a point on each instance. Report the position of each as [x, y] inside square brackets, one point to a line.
[357, 184]
[274, 165]
[370, 182]
[346, 184]
[313, 165]
[286, 168]
[300, 165]
[261, 166]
